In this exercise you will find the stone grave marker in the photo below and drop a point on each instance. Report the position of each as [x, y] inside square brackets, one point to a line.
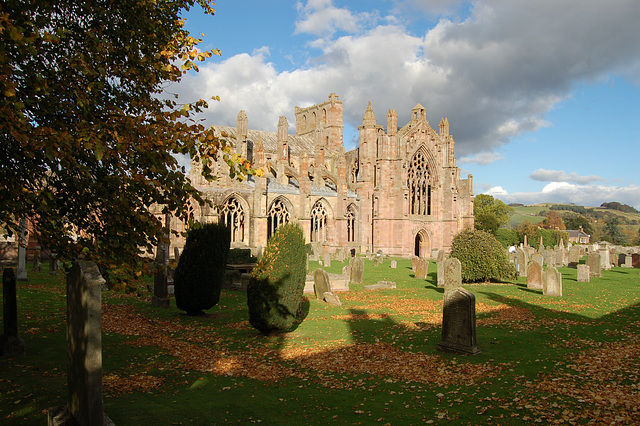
[537, 258]
[414, 263]
[552, 282]
[331, 298]
[440, 273]
[453, 275]
[176, 253]
[21, 271]
[635, 260]
[10, 344]
[346, 270]
[394, 264]
[534, 275]
[574, 257]
[583, 273]
[326, 259]
[37, 259]
[321, 283]
[593, 261]
[160, 281]
[605, 259]
[84, 345]
[522, 259]
[357, 270]
[459, 322]
[628, 261]
[381, 285]
[422, 268]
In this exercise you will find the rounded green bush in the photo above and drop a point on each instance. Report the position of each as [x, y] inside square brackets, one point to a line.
[198, 277]
[482, 257]
[274, 293]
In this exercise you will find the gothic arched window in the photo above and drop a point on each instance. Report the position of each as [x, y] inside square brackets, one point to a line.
[419, 184]
[233, 216]
[318, 223]
[278, 215]
[351, 224]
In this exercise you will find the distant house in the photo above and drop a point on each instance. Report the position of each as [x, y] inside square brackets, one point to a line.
[578, 237]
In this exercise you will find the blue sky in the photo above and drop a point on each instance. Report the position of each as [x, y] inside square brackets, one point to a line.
[543, 96]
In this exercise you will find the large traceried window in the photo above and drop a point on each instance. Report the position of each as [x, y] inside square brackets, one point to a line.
[278, 215]
[351, 223]
[318, 223]
[233, 215]
[419, 184]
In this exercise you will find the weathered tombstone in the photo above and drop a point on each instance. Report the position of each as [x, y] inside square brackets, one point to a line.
[37, 261]
[522, 259]
[346, 270]
[441, 256]
[537, 258]
[378, 259]
[176, 253]
[414, 263]
[84, 346]
[583, 273]
[394, 264]
[459, 322]
[357, 270]
[605, 259]
[160, 283]
[321, 283]
[381, 285]
[326, 259]
[331, 298]
[440, 273]
[635, 260]
[11, 344]
[593, 260]
[541, 247]
[534, 275]
[21, 272]
[422, 268]
[552, 282]
[559, 257]
[628, 261]
[574, 257]
[452, 274]
[548, 258]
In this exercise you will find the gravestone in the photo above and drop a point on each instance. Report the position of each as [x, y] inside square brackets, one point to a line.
[452, 274]
[326, 259]
[381, 285]
[552, 282]
[574, 257]
[414, 263]
[176, 253]
[440, 273]
[605, 259]
[635, 260]
[522, 259]
[321, 283]
[441, 256]
[21, 271]
[37, 259]
[378, 259]
[559, 258]
[10, 344]
[549, 258]
[583, 273]
[422, 268]
[459, 322]
[84, 346]
[537, 258]
[628, 261]
[357, 270]
[394, 264]
[160, 282]
[331, 298]
[541, 247]
[534, 275]
[593, 261]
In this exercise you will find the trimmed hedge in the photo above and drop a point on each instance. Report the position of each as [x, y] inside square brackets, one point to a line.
[274, 293]
[240, 256]
[200, 271]
[482, 257]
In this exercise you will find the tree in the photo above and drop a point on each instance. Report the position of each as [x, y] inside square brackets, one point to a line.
[553, 221]
[489, 213]
[612, 230]
[88, 139]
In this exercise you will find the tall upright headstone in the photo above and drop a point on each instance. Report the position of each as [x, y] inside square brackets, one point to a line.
[593, 260]
[84, 343]
[583, 273]
[552, 282]
[440, 273]
[11, 344]
[160, 281]
[422, 268]
[21, 271]
[321, 283]
[605, 259]
[522, 259]
[326, 259]
[534, 275]
[574, 256]
[458, 313]
[357, 270]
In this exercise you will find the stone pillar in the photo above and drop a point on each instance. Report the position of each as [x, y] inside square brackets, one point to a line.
[160, 282]
[11, 344]
[21, 272]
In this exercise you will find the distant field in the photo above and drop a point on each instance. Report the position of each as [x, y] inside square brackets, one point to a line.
[530, 213]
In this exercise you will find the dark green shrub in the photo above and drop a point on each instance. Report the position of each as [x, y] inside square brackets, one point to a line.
[274, 293]
[200, 271]
[507, 237]
[239, 256]
[482, 257]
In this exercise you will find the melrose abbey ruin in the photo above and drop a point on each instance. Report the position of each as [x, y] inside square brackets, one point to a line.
[399, 191]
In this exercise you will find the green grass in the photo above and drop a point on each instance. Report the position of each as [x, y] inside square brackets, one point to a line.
[373, 360]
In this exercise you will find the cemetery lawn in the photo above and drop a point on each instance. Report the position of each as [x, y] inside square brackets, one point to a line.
[573, 359]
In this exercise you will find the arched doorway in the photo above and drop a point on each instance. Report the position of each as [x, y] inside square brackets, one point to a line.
[422, 244]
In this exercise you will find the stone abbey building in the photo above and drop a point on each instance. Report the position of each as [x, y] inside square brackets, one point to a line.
[399, 192]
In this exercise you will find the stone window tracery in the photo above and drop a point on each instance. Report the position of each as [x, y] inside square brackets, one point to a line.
[419, 184]
[318, 223]
[233, 216]
[351, 224]
[278, 215]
